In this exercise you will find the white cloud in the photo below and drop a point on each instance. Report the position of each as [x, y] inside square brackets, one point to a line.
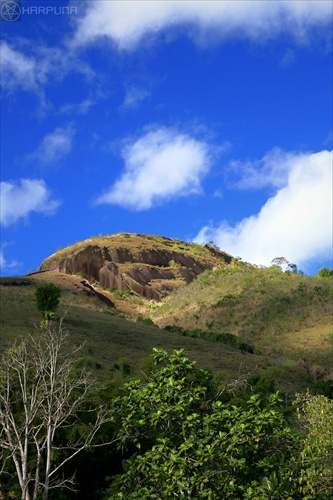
[5, 265]
[29, 67]
[80, 108]
[295, 223]
[158, 166]
[271, 170]
[127, 22]
[3, 262]
[133, 97]
[54, 146]
[18, 70]
[18, 200]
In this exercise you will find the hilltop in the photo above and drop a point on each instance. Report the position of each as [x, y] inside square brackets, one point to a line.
[145, 265]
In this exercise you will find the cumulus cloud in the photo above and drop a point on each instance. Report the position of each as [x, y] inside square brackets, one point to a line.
[295, 223]
[127, 23]
[19, 199]
[160, 165]
[53, 147]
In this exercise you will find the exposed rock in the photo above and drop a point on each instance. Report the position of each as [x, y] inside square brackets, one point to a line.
[145, 265]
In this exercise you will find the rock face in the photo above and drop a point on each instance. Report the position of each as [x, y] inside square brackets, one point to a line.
[150, 266]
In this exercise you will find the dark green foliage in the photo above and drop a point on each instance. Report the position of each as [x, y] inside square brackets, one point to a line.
[47, 299]
[124, 366]
[324, 387]
[225, 338]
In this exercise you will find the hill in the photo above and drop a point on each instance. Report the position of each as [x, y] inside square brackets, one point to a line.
[236, 319]
[285, 315]
[146, 265]
[114, 343]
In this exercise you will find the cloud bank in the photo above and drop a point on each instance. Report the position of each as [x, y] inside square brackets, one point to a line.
[160, 165]
[127, 23]
[295, 223]
[19, 199]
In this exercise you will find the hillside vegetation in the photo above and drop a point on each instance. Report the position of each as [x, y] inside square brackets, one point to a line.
[202, 412]
[282, 314]
[233, 318]
[114, 343]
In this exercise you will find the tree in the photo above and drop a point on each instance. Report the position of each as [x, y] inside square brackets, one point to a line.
[280, 261]
[47, 299]
[41, 394]
[325, 272]
[292, 268]
[190, 445]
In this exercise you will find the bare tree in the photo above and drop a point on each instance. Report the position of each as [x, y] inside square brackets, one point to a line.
[42, 392]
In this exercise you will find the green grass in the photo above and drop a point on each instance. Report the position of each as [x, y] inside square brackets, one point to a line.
[265, 307]
[107, 335]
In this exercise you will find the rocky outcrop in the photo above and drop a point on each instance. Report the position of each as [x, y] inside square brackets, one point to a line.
[145, 265]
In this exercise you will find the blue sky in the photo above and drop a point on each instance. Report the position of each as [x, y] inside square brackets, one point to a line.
[203, 121]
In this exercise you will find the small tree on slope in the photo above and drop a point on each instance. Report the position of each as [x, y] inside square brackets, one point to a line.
[47, 299]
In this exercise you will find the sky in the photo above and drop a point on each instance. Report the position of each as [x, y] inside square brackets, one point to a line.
[205, 121]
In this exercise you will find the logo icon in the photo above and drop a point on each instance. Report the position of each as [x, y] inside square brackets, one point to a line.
[10, 11]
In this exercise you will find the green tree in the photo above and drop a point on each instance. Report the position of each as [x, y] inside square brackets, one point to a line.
[190, 445]
[325, 272]
[47, 299]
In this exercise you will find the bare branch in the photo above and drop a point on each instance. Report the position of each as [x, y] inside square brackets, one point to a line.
[40, 393]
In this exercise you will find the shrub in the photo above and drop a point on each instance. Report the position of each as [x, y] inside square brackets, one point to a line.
[47, 299]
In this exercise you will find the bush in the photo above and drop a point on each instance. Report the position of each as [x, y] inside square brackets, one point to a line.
[47, 299]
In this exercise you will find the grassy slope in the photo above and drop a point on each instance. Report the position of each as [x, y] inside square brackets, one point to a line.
[107, 334]
[282, 315]
[286, 317]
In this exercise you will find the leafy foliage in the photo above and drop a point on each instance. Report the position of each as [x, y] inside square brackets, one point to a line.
[191, 445]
